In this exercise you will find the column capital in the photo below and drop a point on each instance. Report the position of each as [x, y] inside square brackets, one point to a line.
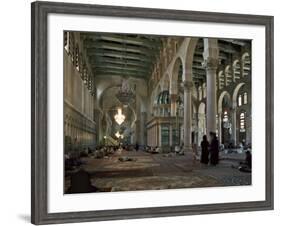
[210, 63]
[187, 85]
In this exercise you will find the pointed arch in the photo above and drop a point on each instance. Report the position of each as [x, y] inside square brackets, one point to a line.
[222, 95]
[235, 94]
[189, 53]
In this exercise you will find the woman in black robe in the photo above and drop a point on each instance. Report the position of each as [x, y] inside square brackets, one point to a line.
[214, 149]
[204, 150]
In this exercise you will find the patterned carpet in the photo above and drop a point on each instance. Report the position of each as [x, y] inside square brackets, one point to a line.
[147, 171]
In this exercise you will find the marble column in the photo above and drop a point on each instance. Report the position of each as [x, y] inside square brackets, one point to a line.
[187, 119]
[210, 55]
[159, 135]
[248, 128]
[97, 119]
[143, 128]
[173, 98]
[137, 131]
[196, 129]
[219, 127]
[234, 126]
[171, 135]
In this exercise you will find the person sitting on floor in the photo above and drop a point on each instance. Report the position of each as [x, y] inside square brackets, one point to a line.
[246, 166]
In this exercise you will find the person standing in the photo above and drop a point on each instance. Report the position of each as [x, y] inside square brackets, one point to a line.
[214, 149]
[204, 150]
[137, 147]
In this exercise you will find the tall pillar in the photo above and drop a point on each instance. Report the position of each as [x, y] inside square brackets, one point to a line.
[248, 127]
[187, 119]
[234, 126]
[171, 135]
[219, 127]
[97, 119]
[159, 135]
[196, 129]
[210, 54]
[143, 128]
[173, 98]
[137, 131]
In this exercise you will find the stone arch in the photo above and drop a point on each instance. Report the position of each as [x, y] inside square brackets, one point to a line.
[245, 55]
[221, 79]
[235, 93]
[175, 75]
[165, 83]
[222, 95]
[228, 75]
[135, 116]
[156, 93]
[245, 64]
[202, 108]
[189, 53]
[201, 121]
[236, 70]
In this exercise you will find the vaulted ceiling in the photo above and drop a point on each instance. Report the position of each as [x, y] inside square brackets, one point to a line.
[126, 55]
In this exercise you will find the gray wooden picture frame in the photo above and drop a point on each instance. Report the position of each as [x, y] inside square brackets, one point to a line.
[39, 78]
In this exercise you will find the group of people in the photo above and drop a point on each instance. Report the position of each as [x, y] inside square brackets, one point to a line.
[210, 150]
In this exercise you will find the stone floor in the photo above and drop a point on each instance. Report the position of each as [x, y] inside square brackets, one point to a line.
[161, 171]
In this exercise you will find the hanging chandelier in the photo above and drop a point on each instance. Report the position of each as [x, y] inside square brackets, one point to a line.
[125, 94]
[119, 117]
[118, 135]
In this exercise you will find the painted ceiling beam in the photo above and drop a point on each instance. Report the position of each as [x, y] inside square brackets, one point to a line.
[120, 55]
[116, 72]
[106, 60]
[121, 47]
[120, 68]
[237, 42]
[139, 40]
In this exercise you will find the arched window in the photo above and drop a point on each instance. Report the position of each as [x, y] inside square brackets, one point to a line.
[246, 65]
[200, 93]
[85, 74]
[242, 122]
[228, 76]
[239, 100]
[225, 117]
[245, 97]
[236, 70]
[71, 46]
[77, 58]
[221, 81]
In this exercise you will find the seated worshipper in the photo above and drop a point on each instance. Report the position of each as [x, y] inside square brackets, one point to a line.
[81, 183]
[157, 150]
[177, 149]
[246, 166]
